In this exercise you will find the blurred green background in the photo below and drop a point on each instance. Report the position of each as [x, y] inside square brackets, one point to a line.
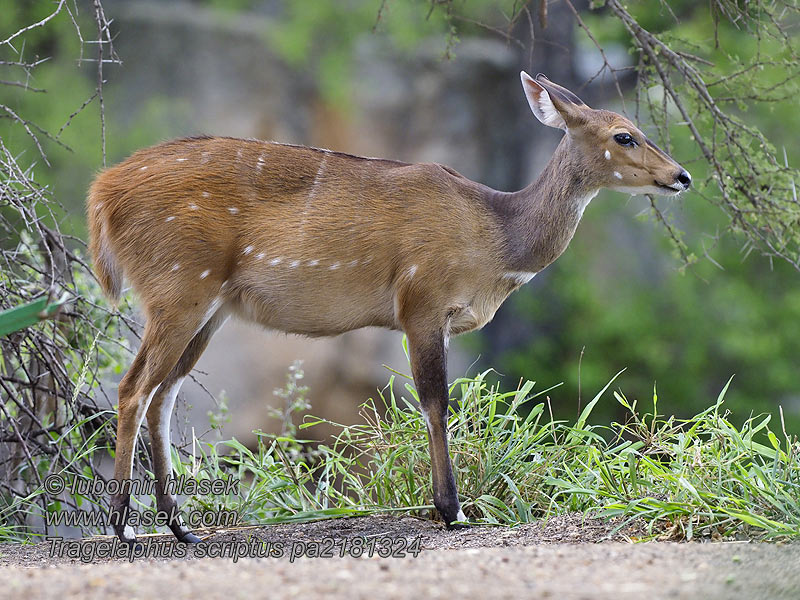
[618, 298]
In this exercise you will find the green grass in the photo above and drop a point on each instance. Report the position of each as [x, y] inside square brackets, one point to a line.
[685, 478]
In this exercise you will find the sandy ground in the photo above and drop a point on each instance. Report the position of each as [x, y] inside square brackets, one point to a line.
[565, 557]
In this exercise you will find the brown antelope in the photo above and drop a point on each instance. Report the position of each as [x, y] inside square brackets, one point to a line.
[316, 242]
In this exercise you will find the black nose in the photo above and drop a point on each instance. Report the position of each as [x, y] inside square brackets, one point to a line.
[685, 179]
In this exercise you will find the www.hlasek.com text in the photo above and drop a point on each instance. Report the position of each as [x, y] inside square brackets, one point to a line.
[147, 518]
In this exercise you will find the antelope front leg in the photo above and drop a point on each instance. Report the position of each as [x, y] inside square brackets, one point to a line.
[429, 367]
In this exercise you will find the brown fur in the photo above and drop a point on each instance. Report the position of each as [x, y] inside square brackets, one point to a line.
[316, 242]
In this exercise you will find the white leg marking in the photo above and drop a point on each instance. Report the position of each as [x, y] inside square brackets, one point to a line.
[210, 312]
[460, 516]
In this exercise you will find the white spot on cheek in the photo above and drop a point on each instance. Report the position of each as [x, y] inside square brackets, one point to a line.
[248, 250]
[617, 174]
[294, 264]
[205, 274]
[334, 266]
[276, 261]
[608, 155]
[260, 255]
[233, 210]
[168, 219]
[176, 266]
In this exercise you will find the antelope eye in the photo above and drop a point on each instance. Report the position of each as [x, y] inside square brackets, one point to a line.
[624, 139]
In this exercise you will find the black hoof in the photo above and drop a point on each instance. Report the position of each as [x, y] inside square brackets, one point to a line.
[188, 538]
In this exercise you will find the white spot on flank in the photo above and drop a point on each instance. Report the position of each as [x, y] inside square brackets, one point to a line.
[608, 155]
[180, 160]
[260, 163]
[239, 154]
[313, 263]
[248, 250]
[193, 207]
[260, 255]
[352, 263]
[617, 174]
[233, 210]
[176, 266]
[168, 219]
[334, 266]
[205, 274]
[205, 157]
[206, 194]
[276, 261]
[143, 169]
[412, 270]
[294, 264]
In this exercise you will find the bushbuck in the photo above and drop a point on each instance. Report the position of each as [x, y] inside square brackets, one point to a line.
[314, 242]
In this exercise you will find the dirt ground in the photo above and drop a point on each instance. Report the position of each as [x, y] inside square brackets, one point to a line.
[401, 557]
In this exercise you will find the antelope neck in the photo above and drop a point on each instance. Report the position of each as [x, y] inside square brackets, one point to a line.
[540, 220]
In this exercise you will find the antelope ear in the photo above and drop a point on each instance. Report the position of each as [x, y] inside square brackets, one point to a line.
[552, 104]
